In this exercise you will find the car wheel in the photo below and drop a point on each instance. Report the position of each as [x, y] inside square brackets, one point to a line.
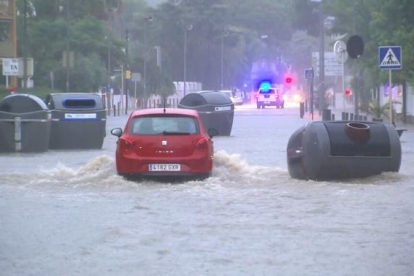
[258, 106]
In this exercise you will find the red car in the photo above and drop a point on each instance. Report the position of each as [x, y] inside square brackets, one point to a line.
[164, 142]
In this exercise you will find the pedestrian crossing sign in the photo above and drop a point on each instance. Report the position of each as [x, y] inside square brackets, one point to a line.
[390, 57]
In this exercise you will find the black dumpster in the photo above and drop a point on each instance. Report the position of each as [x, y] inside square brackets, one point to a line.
[24, 124]
[215, 108]
[78, 121]
[343, 149]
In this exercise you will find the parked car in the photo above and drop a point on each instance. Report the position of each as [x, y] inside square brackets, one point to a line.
[164, 142]
[236, 99]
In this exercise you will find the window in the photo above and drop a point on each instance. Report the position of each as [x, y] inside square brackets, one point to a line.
[165, 125]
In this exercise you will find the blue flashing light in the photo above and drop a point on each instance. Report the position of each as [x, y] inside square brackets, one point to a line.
[265, 86]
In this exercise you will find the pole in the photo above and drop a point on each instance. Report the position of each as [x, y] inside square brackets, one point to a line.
[144, 101]
[127, 68]
[67, 46]
[122, 87]
[135, 94]
[185, 62]
[390, 95]
[343, 79]
[25, 46]
[222, 61]
[321, 62]
[311, 93]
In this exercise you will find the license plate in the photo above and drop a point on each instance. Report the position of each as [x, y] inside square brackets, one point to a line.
[165, 167]
[266, 102]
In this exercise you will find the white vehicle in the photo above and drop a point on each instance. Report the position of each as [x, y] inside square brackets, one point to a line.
[269, 96]
[237, 100]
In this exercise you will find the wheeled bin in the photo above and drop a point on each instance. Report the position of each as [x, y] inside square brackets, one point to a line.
[25, 123]
[215, 108]
[78, 120]
[343, 149]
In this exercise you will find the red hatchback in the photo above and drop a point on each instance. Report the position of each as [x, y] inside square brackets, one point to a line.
[164, 142]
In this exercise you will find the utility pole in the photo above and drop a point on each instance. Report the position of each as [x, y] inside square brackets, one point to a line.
[322, 102]
[25, 45]
[186, 28]
[67, 47]
[127, 68]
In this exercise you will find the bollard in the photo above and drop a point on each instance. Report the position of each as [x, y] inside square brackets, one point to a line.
[302, 109]
[333, 117]
[119, 107]
[351, 116]
[326, 114]
[114, 107]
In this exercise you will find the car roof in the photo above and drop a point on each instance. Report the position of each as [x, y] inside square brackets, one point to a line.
[169, 111]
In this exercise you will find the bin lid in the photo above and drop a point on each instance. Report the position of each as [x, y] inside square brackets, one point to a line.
[22, 103]
[74, 101]
[205, 97]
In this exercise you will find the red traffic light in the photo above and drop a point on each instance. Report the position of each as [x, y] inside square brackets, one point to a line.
[348, 92]
[288, 80]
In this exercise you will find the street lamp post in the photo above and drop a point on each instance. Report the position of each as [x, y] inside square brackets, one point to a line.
[147, 21]
[224, 34]
[127, 68]
[108, 86]
[187, 28]
[322, 102]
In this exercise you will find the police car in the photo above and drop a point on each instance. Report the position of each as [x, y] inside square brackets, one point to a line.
[269, 96]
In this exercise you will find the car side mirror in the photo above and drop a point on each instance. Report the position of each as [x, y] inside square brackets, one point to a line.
[116, 132]
[212, 132]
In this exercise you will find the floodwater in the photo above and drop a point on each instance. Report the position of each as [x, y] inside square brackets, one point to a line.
[68, 213]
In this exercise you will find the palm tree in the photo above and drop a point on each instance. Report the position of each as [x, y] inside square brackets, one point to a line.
[377, 111]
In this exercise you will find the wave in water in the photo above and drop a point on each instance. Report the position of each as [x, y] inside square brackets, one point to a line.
[228, 169]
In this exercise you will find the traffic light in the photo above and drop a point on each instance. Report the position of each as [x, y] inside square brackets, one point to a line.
[348, 92]
[288, 80]
[128, 74]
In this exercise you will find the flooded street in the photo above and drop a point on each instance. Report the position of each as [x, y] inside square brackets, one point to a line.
[68, 213]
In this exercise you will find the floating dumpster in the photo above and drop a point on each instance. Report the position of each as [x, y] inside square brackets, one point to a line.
[215, 108]
[343, 149]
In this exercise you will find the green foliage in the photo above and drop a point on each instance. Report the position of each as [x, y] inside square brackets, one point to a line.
[375, 109]
[379, 23]
[228, 31]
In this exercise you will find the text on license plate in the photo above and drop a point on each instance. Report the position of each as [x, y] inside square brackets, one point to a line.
[165, 167]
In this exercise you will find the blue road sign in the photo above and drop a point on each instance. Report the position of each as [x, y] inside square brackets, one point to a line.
[309, 73]
[390, 57]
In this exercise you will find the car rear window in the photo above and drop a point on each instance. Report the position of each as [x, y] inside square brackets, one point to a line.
[271, 91]
[174, 125]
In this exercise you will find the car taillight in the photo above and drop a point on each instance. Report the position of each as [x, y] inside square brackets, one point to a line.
[129, 144]
[201, 143]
